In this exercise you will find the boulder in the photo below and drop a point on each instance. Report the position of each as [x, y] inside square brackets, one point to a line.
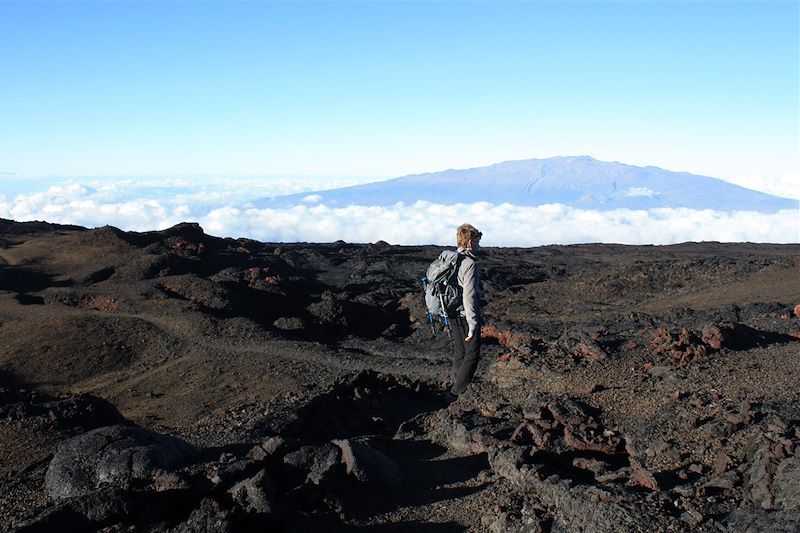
[786, 484]
[328, 311]
[209, 517]
[254, 494]
[268, 448]
[755, 520]
[315, 461]
[112, 457]
[368, 464]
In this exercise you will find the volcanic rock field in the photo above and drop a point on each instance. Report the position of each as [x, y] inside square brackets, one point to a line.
[176, 381]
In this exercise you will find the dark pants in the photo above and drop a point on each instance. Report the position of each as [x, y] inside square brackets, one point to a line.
[465, 355]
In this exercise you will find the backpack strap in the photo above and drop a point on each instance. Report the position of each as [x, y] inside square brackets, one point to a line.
[459, 260]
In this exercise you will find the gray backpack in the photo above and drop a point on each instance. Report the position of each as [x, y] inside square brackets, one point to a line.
[443, 294]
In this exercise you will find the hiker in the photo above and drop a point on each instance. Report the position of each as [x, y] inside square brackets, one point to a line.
[466, 326]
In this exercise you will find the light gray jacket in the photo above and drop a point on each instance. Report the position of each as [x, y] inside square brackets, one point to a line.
[469, 280]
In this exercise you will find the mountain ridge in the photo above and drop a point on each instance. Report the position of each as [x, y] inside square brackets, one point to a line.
[576, 181]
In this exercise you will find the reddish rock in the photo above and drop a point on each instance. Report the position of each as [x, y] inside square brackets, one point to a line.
[630, 448]
[722, 463]
[681, 347]
[101, 303]
[797, 310]
[184, 247]
[642, 477]
[526, 432]
[581, 442]
[592, 351]
[713, 336]
[520, 342]
[727, 335]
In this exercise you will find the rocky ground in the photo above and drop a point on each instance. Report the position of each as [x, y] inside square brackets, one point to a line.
[174, 381]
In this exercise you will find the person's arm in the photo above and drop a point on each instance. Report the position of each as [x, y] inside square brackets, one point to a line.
[469, 281]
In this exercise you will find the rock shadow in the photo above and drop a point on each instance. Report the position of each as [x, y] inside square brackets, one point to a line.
[429, 478]
[370, 404]
[22, 280]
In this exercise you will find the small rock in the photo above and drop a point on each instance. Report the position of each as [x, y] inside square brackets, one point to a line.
[696, 468]
[642, 477]
[660, 371]
[226, 473]
[267, 448]
[165, 481]
[692, 517]
[657, 447]
[315, 460]
[722, 463]
[289, 324]
[725, 481]
[254, 494]
[683, 490]
[593, 465]
[369, 465]
[622, 474]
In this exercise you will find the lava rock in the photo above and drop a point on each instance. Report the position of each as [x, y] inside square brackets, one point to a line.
[254, 494]
[112, 457]
[368, 464]
[289, 324]
[314, 461]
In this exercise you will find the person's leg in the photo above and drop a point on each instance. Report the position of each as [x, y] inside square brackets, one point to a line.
[457, 331]
[469, 363]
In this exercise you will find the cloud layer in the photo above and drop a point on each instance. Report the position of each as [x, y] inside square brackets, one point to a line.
[223, 211]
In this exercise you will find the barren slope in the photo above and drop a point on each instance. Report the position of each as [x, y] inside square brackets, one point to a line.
[624, 387]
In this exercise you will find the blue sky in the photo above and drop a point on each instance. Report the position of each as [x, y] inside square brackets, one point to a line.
[146, 114]
[378, 89]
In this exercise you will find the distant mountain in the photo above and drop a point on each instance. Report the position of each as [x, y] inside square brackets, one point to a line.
[581, 182]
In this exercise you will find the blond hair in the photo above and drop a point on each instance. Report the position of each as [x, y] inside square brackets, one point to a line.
[466, 233]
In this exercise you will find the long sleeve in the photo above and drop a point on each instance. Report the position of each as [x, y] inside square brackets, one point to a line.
[468, 279]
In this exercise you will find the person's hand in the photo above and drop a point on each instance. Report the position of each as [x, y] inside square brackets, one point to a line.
[469, 338]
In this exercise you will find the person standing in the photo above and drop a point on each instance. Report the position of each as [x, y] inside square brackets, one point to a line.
[466, 327]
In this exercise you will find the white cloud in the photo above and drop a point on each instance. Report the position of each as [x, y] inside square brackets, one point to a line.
[418, 223]
[787, 185]
[503, 225]
[312, 198]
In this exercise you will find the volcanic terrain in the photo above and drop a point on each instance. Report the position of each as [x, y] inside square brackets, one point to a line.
[175, 381]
